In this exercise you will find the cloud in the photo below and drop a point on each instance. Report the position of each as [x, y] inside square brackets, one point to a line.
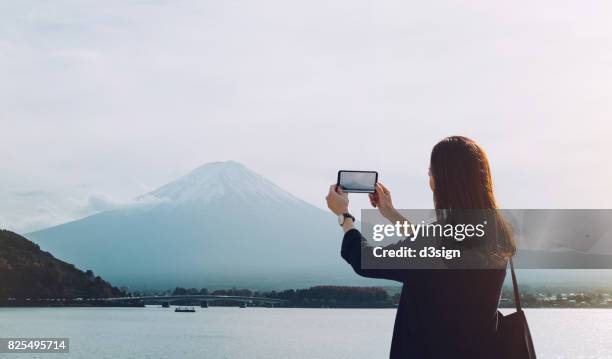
[31, 220]
[101, 202]
[30, 193]
[104, 202]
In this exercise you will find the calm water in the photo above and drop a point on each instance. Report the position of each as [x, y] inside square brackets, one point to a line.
[153, 332]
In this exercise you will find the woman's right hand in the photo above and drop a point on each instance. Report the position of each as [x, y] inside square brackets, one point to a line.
[381, 199]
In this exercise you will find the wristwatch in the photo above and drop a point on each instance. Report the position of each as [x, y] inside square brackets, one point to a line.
[342, 217]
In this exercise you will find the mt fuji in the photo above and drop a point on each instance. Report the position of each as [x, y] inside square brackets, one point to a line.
[220, 225]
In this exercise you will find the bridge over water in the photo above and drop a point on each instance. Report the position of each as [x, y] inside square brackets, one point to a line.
[204, 299]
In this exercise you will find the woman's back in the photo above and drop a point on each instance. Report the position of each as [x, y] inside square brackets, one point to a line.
[448, 313]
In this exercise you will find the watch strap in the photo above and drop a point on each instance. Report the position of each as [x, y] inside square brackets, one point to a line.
[348, 215]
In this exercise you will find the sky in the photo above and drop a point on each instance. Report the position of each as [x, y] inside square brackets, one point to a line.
[101, 102]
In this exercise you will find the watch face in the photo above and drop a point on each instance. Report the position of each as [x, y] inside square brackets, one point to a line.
[340, 219]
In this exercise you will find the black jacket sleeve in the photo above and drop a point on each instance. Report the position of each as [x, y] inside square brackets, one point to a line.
[353, 244]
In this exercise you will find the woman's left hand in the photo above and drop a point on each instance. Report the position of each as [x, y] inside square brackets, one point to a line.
[337, 200]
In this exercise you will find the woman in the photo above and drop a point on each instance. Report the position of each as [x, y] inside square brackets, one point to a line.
[442, 313]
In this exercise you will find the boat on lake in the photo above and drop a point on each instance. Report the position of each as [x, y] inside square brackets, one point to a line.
[184, 310]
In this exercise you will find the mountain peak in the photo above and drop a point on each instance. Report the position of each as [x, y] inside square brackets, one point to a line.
[215, 180]
[227, 168]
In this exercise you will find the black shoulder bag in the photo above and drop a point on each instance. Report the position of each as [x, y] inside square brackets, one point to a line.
[514, 338]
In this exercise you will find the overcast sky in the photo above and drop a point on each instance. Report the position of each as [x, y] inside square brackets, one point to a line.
[104, 101]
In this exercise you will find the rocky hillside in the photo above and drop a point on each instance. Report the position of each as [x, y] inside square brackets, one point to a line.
[28, 272]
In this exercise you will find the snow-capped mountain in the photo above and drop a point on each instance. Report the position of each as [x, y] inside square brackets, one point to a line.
[222, 224]
[215, 180]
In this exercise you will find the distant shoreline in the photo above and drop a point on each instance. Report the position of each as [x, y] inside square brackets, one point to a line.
[102, 304]
[279, 307]
[65, 304]
[325, 296]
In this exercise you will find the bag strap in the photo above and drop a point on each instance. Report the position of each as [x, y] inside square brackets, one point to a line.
[517, 296]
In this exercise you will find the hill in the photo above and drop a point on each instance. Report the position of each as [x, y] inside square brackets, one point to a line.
[28, 272]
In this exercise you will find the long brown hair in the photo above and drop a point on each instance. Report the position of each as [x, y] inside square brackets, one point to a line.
[462, 180]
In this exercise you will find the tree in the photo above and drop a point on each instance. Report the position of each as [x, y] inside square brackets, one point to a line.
[179, 291]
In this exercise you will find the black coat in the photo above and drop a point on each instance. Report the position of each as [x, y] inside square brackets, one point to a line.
[442, 313]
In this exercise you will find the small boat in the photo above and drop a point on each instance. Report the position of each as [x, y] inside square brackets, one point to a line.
[184, 310]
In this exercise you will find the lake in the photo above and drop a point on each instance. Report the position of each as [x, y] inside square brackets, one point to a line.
[217, 332]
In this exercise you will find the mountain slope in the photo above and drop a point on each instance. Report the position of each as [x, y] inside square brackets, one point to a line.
[222, 224]
[28, 272]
